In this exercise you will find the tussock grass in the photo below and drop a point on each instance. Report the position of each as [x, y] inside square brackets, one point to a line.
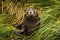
[12, 14]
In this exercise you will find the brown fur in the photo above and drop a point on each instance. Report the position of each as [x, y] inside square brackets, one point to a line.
[30, 22]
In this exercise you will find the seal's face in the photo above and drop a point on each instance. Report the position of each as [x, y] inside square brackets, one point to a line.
[31, 14]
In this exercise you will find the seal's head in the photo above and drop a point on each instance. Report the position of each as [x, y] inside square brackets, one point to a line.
[31, 14]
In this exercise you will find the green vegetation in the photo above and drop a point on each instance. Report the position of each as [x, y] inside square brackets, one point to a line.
[12, 12]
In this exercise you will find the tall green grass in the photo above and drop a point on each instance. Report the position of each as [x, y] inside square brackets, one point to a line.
[49, 23]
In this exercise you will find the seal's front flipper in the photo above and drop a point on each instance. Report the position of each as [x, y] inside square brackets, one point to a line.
[20, 33]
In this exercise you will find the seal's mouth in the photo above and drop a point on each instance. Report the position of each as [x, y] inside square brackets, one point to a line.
[31, 16]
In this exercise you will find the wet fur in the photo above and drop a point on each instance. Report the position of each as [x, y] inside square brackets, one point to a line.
[29, 23]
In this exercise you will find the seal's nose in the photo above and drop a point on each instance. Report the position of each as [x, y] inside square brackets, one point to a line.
[30, 12]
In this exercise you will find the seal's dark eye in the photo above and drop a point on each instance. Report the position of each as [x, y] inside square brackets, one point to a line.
[34, 12]
[26, 12]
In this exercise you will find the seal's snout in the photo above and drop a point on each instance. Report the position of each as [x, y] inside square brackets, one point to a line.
[31, 13]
